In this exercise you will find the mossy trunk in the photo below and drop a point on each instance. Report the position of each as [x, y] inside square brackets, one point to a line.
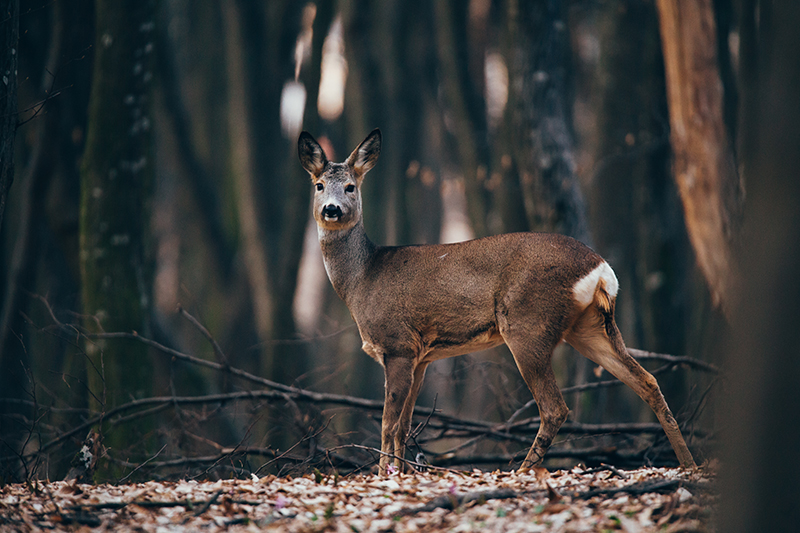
[116, 184]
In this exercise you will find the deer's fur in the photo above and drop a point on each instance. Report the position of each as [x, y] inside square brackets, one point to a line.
[416, 304]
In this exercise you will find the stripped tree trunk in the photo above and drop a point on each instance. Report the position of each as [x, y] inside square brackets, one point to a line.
[703, 159]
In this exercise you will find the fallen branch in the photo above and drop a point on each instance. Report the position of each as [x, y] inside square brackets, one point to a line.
[591, 455]
[644, 487]
[454, 501]
[203, 508]
[190, 504]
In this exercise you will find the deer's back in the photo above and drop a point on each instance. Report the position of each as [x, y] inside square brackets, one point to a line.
[444, 299]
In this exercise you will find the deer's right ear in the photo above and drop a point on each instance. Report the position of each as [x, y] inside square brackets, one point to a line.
[312, 156]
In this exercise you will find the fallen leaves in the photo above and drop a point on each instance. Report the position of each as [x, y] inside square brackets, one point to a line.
[647, 499]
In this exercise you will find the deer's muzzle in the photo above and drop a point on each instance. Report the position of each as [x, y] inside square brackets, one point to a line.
[331, 211]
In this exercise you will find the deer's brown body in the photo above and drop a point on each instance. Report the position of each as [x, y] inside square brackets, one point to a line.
[416, 304]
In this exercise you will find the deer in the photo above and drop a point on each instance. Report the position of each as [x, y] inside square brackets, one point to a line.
[416, 304]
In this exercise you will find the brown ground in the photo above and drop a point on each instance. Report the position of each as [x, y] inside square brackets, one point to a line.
[647, 499]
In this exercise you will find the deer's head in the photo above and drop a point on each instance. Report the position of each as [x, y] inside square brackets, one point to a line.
[337, 186]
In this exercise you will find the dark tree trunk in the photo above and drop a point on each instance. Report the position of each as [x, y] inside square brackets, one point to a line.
[636, 212]
[116, 182]
[541, 131]
[264, 164]
[760, 468]
[465, 109]
[9, 22]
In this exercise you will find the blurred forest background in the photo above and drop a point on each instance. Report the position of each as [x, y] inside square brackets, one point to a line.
[161, 280]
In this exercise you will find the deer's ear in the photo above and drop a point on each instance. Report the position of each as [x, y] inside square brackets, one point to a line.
[312, 156]
[366, 155]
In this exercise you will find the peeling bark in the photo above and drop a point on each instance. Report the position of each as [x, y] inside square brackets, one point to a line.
[704, 166]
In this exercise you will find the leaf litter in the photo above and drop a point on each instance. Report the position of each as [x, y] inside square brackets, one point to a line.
[580, 499]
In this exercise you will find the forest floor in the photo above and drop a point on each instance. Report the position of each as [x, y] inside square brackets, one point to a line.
[580, 499]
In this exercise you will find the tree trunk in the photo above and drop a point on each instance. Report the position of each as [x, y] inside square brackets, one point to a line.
[9, 22]
[636, 213]
[265, 164]
[761, 436]
[541, 131]
[466, 129]
[253, 240]
[116, 182]
[704, 167]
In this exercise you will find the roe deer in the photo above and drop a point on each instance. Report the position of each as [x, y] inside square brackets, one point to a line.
[416, 304]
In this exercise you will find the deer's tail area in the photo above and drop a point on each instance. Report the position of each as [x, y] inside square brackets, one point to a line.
[605, 303]
[598, 290]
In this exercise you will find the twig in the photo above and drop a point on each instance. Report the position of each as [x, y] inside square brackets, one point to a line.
[421, 426]
[227, 452]
[242, 450]
[142, 465]
[296, 444]
[610, 468]
[233, 451]
[203, 508]
[296, 392]
[393, 456]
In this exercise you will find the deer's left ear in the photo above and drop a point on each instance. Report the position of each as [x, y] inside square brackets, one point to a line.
[312, 156]
[366, 155]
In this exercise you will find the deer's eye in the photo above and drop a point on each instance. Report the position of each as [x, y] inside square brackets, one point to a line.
[320, 187]
[350, 188]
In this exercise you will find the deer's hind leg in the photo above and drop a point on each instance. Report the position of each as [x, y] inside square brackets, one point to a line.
[596, 336]
[532, 347]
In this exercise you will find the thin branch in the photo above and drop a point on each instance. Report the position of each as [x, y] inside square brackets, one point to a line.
[643, 355]
[444, 426]
[202, 329]
[298, 443]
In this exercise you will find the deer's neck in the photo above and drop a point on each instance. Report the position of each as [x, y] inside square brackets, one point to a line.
[345, 253]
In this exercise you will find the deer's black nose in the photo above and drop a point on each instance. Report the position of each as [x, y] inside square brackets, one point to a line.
[331, 211]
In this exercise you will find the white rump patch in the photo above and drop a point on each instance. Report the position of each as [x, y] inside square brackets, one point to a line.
[584, 289]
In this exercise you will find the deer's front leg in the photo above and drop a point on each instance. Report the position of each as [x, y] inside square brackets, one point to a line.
[408, 410]
[399, 379]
